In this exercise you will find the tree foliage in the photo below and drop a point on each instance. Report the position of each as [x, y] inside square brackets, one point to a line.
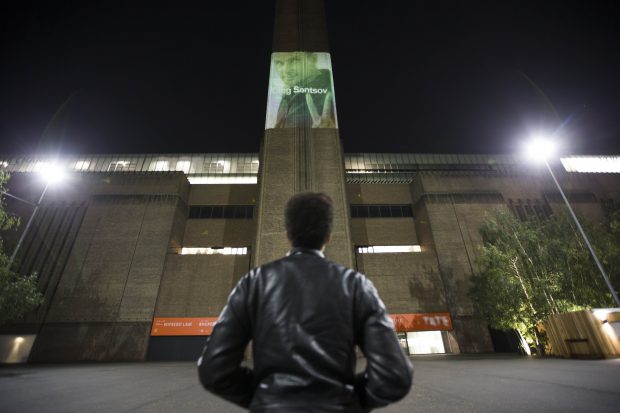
[18, 294]
[533, 269]
[611, 259]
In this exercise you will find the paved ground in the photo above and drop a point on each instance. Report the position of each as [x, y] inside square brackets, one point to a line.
[442, 384]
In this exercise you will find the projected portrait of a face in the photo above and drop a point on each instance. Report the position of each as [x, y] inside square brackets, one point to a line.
[301, 92]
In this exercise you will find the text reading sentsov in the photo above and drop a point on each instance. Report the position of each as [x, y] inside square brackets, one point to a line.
[311, 90]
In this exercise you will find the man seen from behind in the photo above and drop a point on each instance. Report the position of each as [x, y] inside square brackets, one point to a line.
[305, 315]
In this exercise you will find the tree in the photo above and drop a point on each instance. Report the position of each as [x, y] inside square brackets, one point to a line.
[18, 294]
[533, 269]
[611, 243]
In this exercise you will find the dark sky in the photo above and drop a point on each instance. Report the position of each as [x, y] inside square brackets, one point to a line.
[410, 76]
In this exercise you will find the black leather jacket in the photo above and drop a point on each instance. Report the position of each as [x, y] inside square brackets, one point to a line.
[305, 314]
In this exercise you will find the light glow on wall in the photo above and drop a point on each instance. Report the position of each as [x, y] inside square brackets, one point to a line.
[609, 321]
[15, 348]
[601, 313]
[214, 250]
[383, 249]
[592, 164]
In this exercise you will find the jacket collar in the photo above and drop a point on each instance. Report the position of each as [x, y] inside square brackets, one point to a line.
[301, 250]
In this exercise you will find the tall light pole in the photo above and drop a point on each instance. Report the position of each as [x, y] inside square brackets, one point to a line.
[28, 225]
[541, 149]
[51, 174]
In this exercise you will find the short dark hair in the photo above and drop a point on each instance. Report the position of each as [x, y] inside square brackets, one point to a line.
[309, 217]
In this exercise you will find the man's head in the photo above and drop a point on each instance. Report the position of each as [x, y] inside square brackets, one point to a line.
[294, 66]
[309, 217]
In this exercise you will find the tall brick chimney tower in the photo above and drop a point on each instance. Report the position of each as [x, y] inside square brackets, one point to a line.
[301, 149]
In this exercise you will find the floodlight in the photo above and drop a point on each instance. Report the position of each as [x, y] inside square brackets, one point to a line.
[540, 148]
[53, 173]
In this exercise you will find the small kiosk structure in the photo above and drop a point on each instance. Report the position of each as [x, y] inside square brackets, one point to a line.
[585, 334]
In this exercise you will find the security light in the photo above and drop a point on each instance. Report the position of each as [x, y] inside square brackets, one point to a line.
[540, 148]
[53, 173]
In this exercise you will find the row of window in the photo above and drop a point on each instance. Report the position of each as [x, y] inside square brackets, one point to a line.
[523, 209]
[215, 250]
[384, 249]
[371, 249]
[526, 209]
[222, 211]
[247, 211]
[381, 211]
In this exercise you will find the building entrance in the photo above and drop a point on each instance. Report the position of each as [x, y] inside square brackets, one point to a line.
[424, 342]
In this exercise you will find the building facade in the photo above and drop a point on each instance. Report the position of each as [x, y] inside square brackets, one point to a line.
[164, 240]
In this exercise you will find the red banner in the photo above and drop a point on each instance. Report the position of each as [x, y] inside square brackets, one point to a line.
[202, 326]
[182, 326]
[422, 322]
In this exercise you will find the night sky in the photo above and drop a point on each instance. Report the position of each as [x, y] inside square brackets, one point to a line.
[410, 76]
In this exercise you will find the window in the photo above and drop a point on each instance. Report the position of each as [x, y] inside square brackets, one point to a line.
[121, 166]
[248, 168]
[222, 211]
[374, 211]
[598, 164]
[183, 166]
[223, 179]
[82, 165]
[215, 250]
[161, 166]
[218, 167]
[529, 209]
[381, 211]
[425, 342]
[381, 249]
